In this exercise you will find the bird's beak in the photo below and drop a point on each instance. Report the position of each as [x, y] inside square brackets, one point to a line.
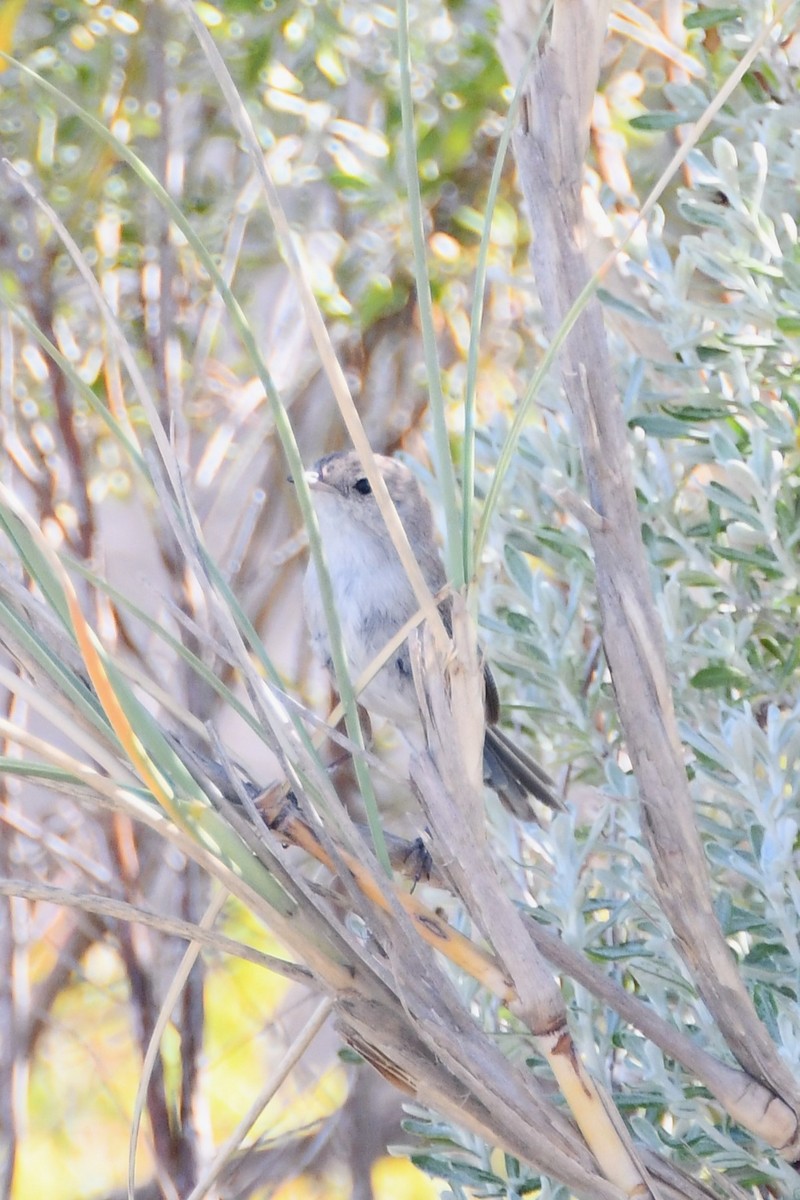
[311, 477]
[314, 481]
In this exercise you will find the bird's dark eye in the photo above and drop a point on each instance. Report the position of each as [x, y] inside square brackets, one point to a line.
[363, 486]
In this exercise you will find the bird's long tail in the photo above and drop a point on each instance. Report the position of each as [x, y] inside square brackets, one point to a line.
[515, 776]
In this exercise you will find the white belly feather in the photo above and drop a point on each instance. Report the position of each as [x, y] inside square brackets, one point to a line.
[373, 599]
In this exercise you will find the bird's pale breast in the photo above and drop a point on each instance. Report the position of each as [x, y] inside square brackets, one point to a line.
[373, 599]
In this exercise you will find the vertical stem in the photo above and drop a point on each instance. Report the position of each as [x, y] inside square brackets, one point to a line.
[444, 462]
[476, 318]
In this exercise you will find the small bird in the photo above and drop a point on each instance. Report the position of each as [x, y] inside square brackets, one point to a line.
[374, 598]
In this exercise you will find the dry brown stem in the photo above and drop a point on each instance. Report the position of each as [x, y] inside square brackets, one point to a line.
[550, 147]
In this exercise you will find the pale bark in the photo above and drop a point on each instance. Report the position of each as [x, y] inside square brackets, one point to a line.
[550, 146]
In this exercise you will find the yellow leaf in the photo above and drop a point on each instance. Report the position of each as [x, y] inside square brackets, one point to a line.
[9, 15]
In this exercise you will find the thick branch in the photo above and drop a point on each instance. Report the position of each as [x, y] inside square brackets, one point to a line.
[549, 153]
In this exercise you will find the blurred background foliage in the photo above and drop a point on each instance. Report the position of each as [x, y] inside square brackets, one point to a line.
[703, 311]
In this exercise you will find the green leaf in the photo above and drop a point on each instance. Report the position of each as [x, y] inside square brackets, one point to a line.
[700, 212]
[709, 18]
[767, 1008]
[752, 341]
[455, 1172]
[435, 1132]
[659, 119]
[696, 412]
[353, 183]
[562, 543]
[351, 1057]
[620, 953]
[765, 952]
[699, 579]
[711, 353]
[720, 675]
[629, 310]
[661, 426]
[518, 569]
[750, 558]
[381, 298]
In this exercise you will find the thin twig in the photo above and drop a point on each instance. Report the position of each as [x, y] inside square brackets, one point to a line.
[281, 1073]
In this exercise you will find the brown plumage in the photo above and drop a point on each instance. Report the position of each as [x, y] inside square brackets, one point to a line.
[374, 598]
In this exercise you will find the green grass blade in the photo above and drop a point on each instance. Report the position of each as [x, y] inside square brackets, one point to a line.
[201, 669]
[444, 461]
[68, 683]
[35, 563]
[282, 425]
[476, 319]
